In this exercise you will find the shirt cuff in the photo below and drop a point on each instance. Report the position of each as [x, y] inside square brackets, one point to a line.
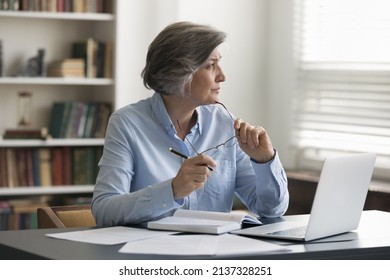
[274, 165]
[163, 196]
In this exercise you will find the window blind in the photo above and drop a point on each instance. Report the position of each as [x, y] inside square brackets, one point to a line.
[342, 101]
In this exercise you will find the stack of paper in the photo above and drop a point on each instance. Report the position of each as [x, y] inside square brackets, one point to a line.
[153, 242]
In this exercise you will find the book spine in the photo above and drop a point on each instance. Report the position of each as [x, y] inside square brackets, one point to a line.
[67, 165]
[3, 168]
[11, 168]
[29, 167]
[45, 167]
[1, 58]
[57, 168]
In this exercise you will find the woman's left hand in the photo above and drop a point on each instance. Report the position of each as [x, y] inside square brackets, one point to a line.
[254, 141]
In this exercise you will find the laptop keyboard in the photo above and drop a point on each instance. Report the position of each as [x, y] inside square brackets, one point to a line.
[296, 232]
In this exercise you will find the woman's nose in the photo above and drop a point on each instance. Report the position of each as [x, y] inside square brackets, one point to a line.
[221, 76]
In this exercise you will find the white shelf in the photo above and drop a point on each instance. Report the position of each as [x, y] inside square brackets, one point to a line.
[26, 191]
[54, 81]
[59, 16]
[52, 142]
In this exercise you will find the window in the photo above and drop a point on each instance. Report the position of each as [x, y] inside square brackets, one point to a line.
[342, 101]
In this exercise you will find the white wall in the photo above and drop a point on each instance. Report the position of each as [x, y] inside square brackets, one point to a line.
[134, 24]
[279, 77]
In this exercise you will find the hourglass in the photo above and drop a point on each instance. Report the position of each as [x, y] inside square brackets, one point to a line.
[24, 109]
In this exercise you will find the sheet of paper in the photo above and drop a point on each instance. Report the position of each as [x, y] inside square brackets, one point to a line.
[232, 245]
[110, 235]
[200, 245]
[193, 245]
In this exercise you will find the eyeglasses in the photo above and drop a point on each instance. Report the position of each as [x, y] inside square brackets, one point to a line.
[232, 141]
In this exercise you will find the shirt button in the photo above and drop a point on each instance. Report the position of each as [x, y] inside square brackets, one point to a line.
[164, 205]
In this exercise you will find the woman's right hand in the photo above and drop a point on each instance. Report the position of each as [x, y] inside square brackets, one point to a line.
[192, 175]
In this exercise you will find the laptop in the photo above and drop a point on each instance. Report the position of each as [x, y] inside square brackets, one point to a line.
[337, 205]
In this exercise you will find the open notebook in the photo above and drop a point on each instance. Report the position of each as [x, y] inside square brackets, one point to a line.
[203, 221]
[337, 205]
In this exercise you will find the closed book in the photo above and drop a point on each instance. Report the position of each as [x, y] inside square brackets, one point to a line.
[36, 167]
[108, 56]
[73, 119]
[21, 167]
[56, 119]
[92, 48]
[67, 165]
[78, 6]
[29, 167]
[79, 50]
[11, 168]
[5, 213]
[68, 6]
[79, 166]
[93, 156]
[72, 67]
[90, 165]
[68, 63]
[26, 133]
[45, 167]
[203, 221]
[100, 60]
[57, 170]
[66, 119]
[92, 107]
[83, 120]
[3, 168]
[61, 6]
[66, 73]
[107, 6]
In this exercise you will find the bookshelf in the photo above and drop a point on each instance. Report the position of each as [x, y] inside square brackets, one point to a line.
[62, 190]
[55, 81]
[22, 34]
[52, 142]
[56, 16]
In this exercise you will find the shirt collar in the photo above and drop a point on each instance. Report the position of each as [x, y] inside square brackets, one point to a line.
[199, 120]
[159, 110]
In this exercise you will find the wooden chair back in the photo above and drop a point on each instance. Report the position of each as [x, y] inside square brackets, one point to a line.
[65, 216]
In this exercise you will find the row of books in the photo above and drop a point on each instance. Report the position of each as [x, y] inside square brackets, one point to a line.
[48, 166]
[19, 214]
[97, 56]
[90, 58]
[76, 119]
[72, 6]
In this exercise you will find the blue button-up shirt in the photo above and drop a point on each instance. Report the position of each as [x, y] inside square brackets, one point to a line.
[136, 170]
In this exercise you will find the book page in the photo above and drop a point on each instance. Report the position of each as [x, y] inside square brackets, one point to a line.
[193, 221]
[237, 217]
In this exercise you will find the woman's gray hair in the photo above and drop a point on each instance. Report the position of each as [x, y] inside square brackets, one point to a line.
[176, 54]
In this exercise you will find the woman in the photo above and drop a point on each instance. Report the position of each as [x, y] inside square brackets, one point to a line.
[141, 176]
